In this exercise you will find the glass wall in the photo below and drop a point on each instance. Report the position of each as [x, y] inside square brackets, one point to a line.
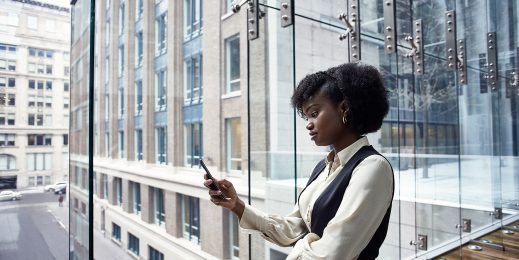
[192, 80]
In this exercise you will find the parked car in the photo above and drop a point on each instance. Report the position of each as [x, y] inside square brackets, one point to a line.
[55, 186]
[60, 190]
[10, 195]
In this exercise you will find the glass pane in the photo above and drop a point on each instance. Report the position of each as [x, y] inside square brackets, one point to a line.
[79, 216]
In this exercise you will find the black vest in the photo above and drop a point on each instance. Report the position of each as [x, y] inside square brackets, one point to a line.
[326, 205]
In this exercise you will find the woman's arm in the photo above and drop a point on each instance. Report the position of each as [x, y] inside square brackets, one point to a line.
[283, 231]
[362, 209]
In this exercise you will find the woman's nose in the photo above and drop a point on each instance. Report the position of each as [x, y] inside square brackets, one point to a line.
[310, 125]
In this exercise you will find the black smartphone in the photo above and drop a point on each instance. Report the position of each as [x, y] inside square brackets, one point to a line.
[214, 185]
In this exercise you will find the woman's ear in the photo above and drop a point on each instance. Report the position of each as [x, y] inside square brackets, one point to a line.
[343, 107]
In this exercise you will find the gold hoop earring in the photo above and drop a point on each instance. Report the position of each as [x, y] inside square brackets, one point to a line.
[344, 119]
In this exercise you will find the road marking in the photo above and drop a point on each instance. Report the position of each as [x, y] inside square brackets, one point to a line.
[57, 219]
[12, 206]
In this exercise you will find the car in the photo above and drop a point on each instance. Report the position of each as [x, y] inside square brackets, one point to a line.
[10, 195]
[57, 185]
[60, 190]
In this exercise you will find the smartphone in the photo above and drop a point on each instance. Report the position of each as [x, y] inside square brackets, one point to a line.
[214, 185]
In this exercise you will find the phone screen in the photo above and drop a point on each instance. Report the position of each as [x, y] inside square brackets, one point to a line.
[214, 185]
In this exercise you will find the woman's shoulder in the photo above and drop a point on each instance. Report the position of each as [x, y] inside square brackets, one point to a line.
[376, 164]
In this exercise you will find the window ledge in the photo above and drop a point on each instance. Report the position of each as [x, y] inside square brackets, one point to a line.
[116, 241]
[132, 254]
[232, 94]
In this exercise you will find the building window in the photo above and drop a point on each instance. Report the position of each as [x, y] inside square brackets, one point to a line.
[36, 120]
[138, 145]
[154, 254]
[232, 63]
[104, 186]
[9, 82]
[39, 161]
[107, 145]
[107, 107]
[66, 86]
[40, 69]
[192, 18]
[48, 85]
[233, 141]
[95, 183]
[66, 71]
[7, 118]
[136, 198]
[161, 145]
[65, 139]
[234, 236]
[121, 60]
[107, 70]
[119, 191]
[12, 19]
[139, 8]
[7, 139]
[7, 162]
[120, 97]
[66, 103]
[160, 90]
[116, 232]
[39, 140]
[193, 144]
[161, 33]
[158, 204]
[48, 69]
[138, 49]
[133, 244]
[138, 97]
[190, 218]
[107, 32]
[193, 79]
[32, 22]
[121, 144]
[121, 18]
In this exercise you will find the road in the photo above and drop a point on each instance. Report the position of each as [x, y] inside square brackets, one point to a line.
[34, 228]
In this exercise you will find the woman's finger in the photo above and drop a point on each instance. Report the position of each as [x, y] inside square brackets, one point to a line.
[207, 183]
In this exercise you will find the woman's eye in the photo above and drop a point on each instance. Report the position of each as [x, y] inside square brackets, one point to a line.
[314, 114]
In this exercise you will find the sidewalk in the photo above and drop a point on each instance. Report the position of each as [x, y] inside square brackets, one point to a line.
[60, 213]
[38, 189]
[105, 248]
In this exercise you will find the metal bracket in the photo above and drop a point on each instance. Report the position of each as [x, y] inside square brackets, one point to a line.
[467, 225]
[511, 83]
[389, 26]
[492, 60]
[461, 62]
[498, 213]
[253, 20]
[353, 29]
[416, 47]
[450, 39]
[422, 242]
[287, 11]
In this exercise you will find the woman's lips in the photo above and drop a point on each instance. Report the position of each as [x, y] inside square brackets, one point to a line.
[313, 136]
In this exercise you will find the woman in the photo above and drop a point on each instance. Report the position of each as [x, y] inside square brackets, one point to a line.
[343, 212]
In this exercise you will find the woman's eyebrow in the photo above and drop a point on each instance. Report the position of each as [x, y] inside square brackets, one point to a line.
[311, 105]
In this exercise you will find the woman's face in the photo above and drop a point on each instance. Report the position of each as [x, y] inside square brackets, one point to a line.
[324, 120]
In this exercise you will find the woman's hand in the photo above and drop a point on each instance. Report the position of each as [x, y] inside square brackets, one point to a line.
[231, 201]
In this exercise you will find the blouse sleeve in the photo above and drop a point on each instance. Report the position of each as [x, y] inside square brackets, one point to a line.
[362, 209]
[283, 231]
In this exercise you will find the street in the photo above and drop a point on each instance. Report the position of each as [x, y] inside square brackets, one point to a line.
[34, 228]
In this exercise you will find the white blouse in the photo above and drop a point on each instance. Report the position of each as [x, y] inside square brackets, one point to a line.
[360, 213]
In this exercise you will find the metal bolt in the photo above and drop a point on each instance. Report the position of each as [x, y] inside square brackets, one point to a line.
[461, 47]
[450, 57]
[449, 29]
[418, 63]
[389, 47]
[284, 17]
[354, 46]
[353, 6]
[491, 71]
[449, 15]
[388, 3]
[388, 28]
[492, 77]
[353, 19]
[450, 50]
[462, 81]
[251, 21]
[451, 65]
[353, 15]
[354, 55]
[389, 38]
[418, 37]
[251, 32]
[490, 41]
[490, 47]
[461, 53]
[417, 23]
[449, 22]
[489, 35]
[419, 70]
[460, 41]
[491, 64]
[284, 5]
